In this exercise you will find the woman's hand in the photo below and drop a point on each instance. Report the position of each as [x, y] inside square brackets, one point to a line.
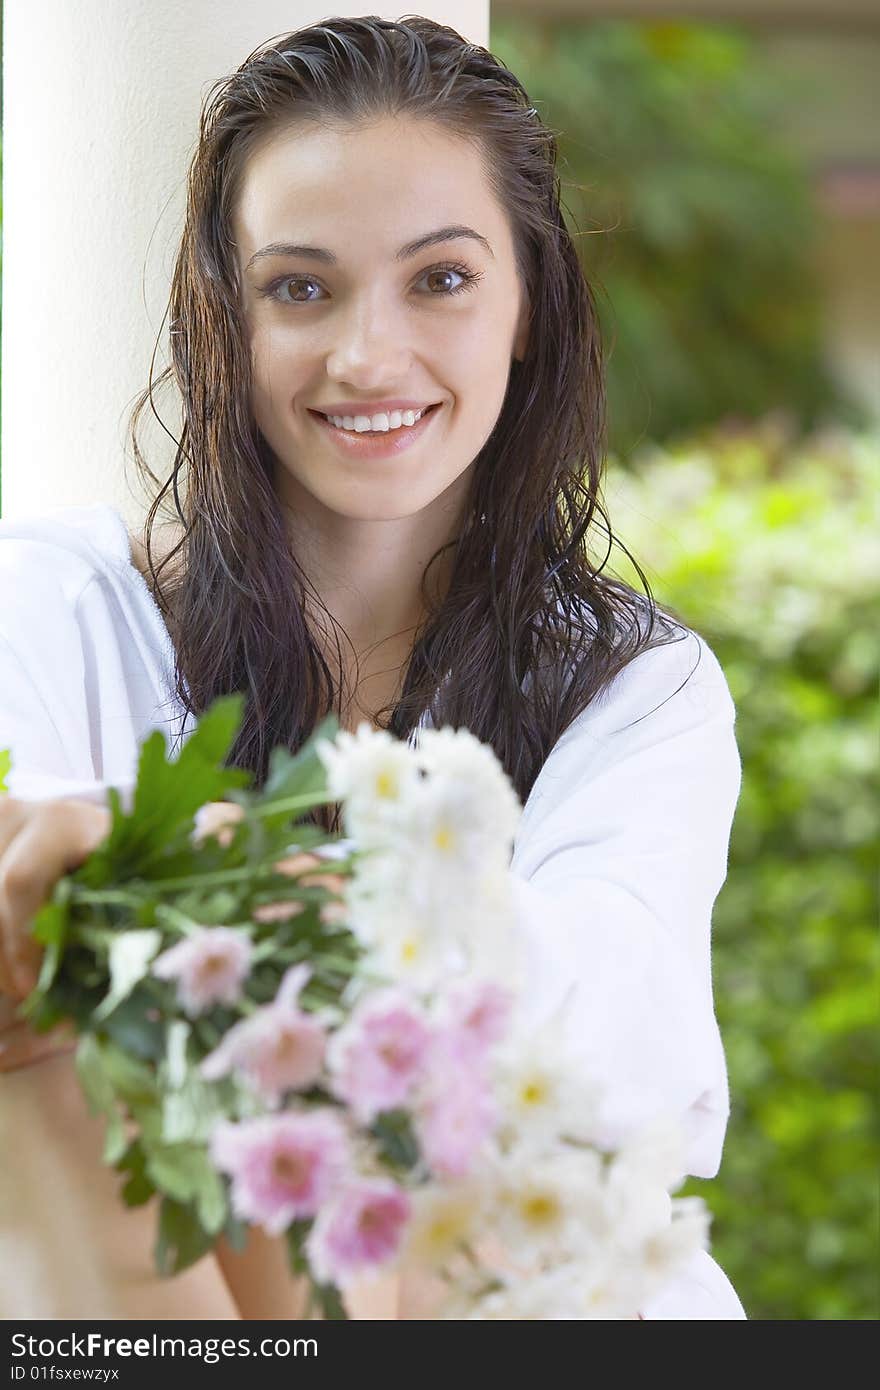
[40, 842]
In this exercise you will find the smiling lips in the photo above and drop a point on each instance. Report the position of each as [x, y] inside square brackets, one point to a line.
[379, 423]
[377, 443]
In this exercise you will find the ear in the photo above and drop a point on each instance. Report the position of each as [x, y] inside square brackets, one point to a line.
[521, 337]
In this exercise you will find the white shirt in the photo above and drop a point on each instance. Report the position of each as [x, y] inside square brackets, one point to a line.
[619, 856]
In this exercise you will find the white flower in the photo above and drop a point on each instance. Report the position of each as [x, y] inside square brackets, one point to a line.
[371, 772]
[443, 1219]
[552, 1295]
[415, 956]
[609, 1287]
[430, 892]
[464, 812]
[670, 1248]
[541, 1092]
[542, 1202]
[460, 758]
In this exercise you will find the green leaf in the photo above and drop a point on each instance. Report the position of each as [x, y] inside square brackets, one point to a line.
[133, 1032]
[191, 1106]
[177, 1169]
[5, 767]
[115, 1138]
[398, 1145]
[49, 928]
[303, 774]
[295, 1240]
[211, 1203]
[174, 1070]
[97, 1088]
[166, 797]
[190, 1111]
[110, 1080]
[101, 1096]
[235, 1232]
[138, 1189]
[132, 1081]
[130, 955]
[181, 1238]
[185, 1173]
[330, 1302]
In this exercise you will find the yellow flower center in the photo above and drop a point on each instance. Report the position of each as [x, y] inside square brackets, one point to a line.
[386, 785]
[533, 1092]
[443, 837]
[540, 1209]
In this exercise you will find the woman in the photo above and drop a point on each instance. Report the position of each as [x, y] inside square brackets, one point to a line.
[392, 443]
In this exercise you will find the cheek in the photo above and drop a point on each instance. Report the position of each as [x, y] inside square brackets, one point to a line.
[274, 363]
[483, 354]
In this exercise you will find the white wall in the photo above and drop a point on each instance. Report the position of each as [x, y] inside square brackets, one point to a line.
[101, 106]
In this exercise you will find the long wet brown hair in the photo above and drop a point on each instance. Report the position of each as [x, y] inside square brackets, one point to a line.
[529, 630]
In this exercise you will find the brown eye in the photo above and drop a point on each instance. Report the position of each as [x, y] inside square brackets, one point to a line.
[443, 289]
[298, 280]
[435, 275]
[274, 291]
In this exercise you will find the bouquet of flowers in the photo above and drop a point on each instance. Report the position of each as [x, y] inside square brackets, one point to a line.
[339, 1056]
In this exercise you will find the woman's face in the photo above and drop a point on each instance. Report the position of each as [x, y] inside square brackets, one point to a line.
[370, 321]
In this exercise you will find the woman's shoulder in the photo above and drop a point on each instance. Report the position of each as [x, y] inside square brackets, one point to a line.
[662, 667]
[683, 667]
[51, 557]
[668, 706]
[75, 568]
[165, 537]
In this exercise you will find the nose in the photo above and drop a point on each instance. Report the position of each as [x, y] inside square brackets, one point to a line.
[369, 345]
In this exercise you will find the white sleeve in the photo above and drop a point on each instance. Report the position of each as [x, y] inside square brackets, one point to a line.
[48, 736]
[620, 854]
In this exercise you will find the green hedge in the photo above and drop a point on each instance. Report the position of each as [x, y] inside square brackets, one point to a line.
[696, 223]
[770, 551]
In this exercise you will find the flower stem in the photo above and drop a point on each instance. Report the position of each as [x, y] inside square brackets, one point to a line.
[303, 802]
[173, 917]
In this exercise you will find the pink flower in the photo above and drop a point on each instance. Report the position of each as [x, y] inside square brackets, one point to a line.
[278, 1048]
[358, 1230]
[209, 967]
[378, 1055]
[453, 1119]
[476, 1015]
[282, 1167]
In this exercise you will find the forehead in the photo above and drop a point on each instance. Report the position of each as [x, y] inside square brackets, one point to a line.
[362, 191]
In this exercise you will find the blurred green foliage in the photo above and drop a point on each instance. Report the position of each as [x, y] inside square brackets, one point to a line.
[768, 548]
[696, 225]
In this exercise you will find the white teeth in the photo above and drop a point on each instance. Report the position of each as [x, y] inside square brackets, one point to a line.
[360, 423]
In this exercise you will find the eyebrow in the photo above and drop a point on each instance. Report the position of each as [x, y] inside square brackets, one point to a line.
[412, 248]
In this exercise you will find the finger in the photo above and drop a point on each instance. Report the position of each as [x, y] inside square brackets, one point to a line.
[12, 816]
[52, 842]
[217, 818]
[8, 1014]
[295, 864]
[20, 1047]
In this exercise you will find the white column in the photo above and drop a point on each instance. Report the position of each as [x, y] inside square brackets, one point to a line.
[101, 106]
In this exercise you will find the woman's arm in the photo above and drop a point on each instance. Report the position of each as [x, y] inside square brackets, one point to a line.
[260, 1281]
[259, 1278]
[620, 854]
